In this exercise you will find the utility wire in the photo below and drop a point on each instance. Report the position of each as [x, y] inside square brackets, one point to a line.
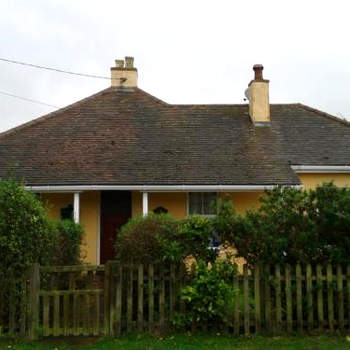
[54, 69]
[27, 99]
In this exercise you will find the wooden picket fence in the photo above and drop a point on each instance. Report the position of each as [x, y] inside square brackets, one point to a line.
[112, 299]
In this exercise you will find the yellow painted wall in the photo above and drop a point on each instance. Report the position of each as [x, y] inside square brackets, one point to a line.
[242, 201]
[175, 202]
[89, 217]
[312, 180]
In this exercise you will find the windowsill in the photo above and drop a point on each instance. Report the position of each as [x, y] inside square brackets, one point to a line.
[205, 215]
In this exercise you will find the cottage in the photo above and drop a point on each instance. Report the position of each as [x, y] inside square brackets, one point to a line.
[123, 152]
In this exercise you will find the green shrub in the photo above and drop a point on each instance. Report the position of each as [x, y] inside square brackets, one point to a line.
[191, 238]
[195, 234]
[26, 233]
[26, 236]
[329, 209]
[291, 225]
[68, 250]
[140, 240]
[160, 238]
[209, 294]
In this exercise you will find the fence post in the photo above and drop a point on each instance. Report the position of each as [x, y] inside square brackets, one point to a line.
[257, 297]
[107, 298]
[151, 296]
[140, 282]
[246, 299]
[288, 291]
[330, 301]
[309, 298]
[33, 301]
[23, 307]
[299, 297]
[112, 299]
[278, 298]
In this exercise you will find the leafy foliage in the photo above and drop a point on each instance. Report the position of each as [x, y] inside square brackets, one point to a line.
[291, 225]
[68, 250]
[160, 238]
[191, 238]
[195, 234]
[26, 233]
[209, 295]
[26, 236]
[140, 240]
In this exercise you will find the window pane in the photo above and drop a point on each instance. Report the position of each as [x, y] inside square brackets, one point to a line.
[202, 203]
[195, 203]
[209, 203]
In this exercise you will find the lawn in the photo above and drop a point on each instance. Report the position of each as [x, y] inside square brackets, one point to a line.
[184, 342]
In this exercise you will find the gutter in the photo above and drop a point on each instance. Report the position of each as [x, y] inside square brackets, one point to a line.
[154, 188]
[304, 169]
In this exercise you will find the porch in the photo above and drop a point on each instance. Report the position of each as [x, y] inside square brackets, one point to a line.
[103, 212]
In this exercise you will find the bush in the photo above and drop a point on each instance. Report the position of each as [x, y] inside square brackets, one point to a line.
[291, 225]
[329, 209]
[209, 294]
[160, 238]
[68, 250]
[26, 233]
[27, 236]
[195, 235]
[140, 240]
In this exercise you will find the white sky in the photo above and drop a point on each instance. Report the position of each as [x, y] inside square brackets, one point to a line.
[185, 51]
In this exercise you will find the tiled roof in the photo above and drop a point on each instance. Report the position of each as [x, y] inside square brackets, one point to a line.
[124, 136]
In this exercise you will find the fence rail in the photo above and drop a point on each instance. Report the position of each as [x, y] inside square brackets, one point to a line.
[114, 299]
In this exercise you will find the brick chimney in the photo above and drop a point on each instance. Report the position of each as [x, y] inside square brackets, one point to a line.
[124, 74]
[258, 96]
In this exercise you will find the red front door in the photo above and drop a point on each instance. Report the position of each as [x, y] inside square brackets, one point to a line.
[115, 212]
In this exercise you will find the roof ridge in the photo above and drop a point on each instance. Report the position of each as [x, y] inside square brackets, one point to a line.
[229, 104]
[208, 104]
[324, 114]
[158, 100]
[51, 114]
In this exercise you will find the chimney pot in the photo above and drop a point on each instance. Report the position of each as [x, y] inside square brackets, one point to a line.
[129, 62]
[258, 70]
[119, 63]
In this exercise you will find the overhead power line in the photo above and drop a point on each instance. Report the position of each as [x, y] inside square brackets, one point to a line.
[54, 69]
[27, 99]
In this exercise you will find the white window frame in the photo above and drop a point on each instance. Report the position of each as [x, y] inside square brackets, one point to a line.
[206, 215]
[188, 203]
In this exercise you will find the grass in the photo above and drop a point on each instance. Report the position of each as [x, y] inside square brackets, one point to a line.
[184, 342]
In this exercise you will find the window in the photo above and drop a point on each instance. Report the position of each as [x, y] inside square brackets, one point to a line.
[67, 212]
[202, 203]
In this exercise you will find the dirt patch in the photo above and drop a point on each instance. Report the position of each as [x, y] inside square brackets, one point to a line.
[74, 341]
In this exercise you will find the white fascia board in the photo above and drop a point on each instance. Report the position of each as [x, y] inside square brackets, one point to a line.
[154, 188]
[321, 168]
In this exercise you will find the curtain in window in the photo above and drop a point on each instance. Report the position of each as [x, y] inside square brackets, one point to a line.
[202, 203]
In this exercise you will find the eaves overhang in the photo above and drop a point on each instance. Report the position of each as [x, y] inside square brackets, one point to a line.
[154, 188]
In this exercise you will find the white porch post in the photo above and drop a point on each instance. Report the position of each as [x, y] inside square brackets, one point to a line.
[145, 203]
[76, 207]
